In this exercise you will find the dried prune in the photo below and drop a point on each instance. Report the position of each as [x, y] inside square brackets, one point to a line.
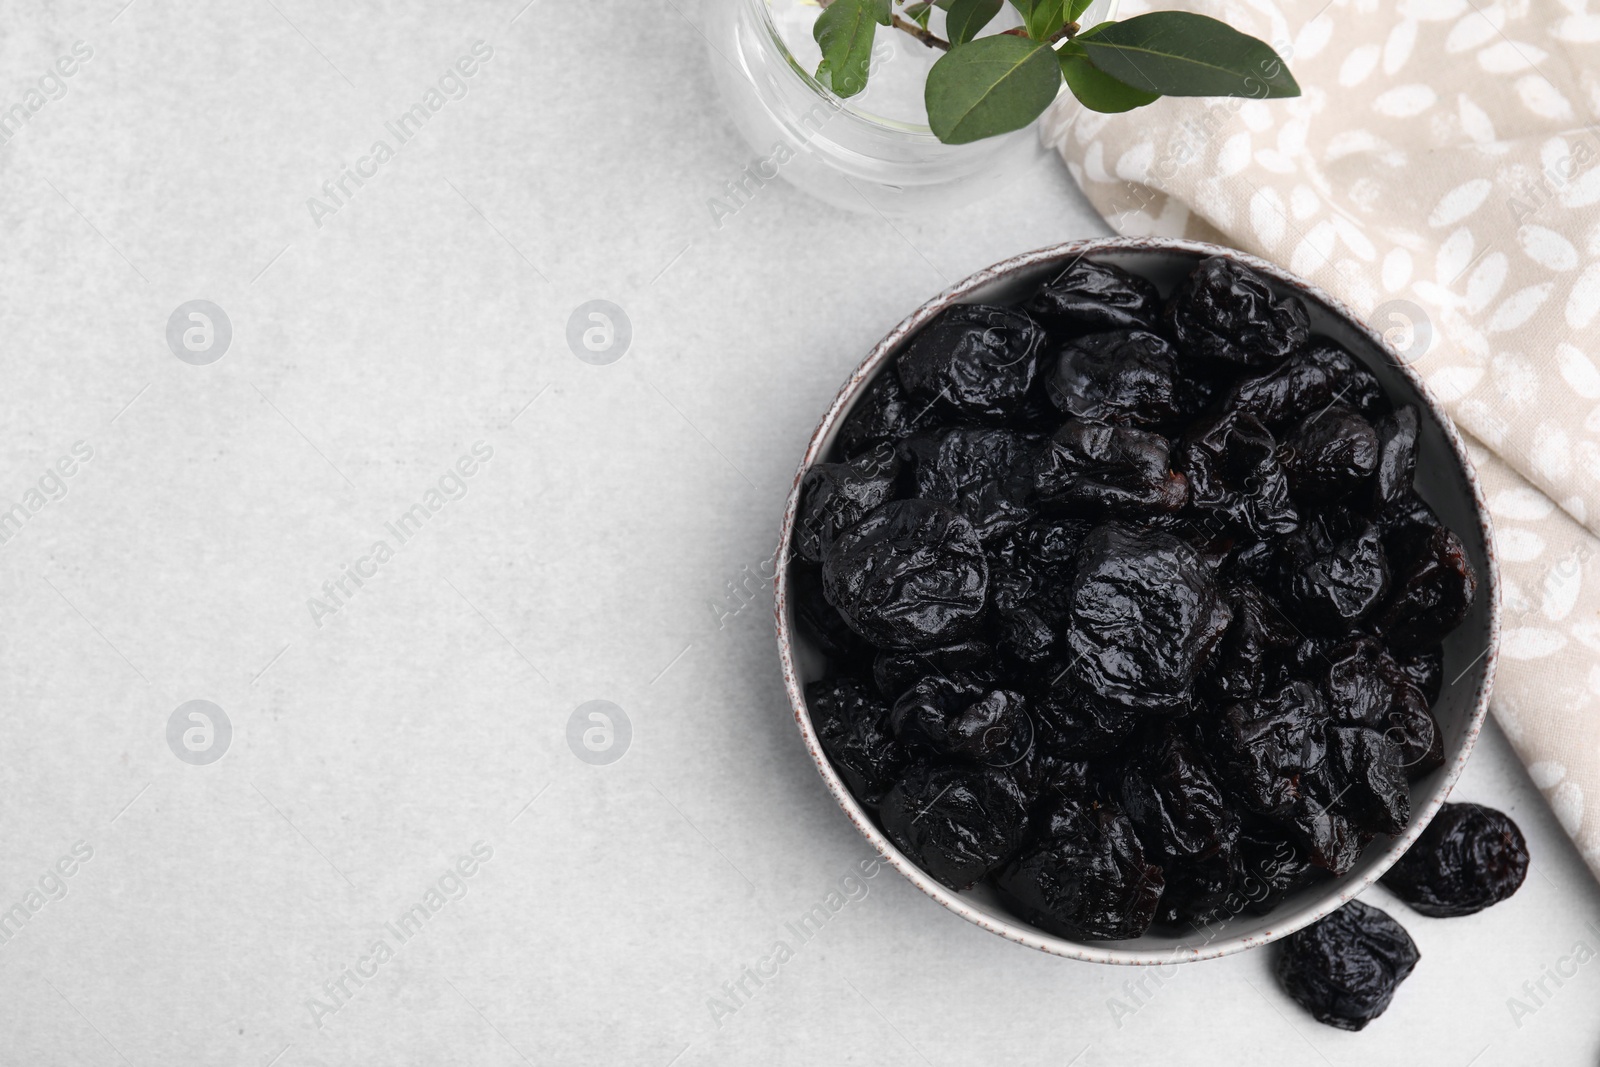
[1079, 725]
[854, 727]
[1469, 857]
[1258, 634]
[960, 716]
[1344, 969]
[1235, 479]
[1413, 733]
[1226, 312]
[958, 821]
[986, 474]
[1266, 748]
[1273, 868]
[1372, 785]
[1318, 375]
[1084, 875]
[1331, 454]
[823, 622]
[1143, 617]
[1089, 296]
[896, 670]
[1114, 469]
[1127, 376]
[912, 574]
[1023, 635]
[1358, 689]
[973, 360]
[1333, 571]
[1397, 458]
[1433, 592]
[834, 496]
[1425, 670]
[883, 415]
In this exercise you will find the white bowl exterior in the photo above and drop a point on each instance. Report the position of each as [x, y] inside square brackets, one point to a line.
[1445, 478]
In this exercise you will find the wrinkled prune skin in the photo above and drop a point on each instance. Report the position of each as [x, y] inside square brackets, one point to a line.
[986, 474]
[960, 717]
[912, 574]
[1273, 869]
[897, 670]
[1356, 683]
[835, 496]
[1413, 733]
[1089, 296]
[973, 360]
[882, 416]
[1255, 639]
[1331, 455]
[1333, 571]
[1143, 617]
[1235, 479]
[1079, 725]
[1425, 670]
[1084, 876]
[1101, 467]
[854, 727]
[1023, 635]
[1469, 857]
[1128, 376]
[1432, 594]
[1397, 458]
[1344, 969]
[1373, 792]
[1185, 825]
[1318, 375]
[1266, 750]
[827, 627]
[957, 821]
[1226, 312]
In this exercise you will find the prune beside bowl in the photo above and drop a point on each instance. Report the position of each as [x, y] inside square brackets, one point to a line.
[1086, 499]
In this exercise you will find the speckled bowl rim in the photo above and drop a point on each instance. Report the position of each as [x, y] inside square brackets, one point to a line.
[1342, 890]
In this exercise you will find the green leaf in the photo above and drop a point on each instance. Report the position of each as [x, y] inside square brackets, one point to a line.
[844, 31]
[919, 13]
[1094, 88]
[990, 86]
[966, 17]
[1042, 18]
[1177, 53]
[1076, 8]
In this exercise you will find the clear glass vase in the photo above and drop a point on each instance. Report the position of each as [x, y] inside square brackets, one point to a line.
[872, 152]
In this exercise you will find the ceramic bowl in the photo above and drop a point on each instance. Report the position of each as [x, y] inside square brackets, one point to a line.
[1445, 479]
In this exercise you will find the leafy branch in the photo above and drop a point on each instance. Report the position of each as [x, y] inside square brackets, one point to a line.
[985, 86]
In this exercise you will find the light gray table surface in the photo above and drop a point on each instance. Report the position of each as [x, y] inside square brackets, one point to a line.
[595, 555]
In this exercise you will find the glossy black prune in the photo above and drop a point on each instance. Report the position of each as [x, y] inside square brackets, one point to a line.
[1273, 868]
[1106, 468]
[1331, 455]
[1258, 635]
[1084, 875]
[957, 821]
[1089, 296]
[896, 670]
[833, 636]
[1236, 481]
[1397, 458]
[1413, 733]
[1425, 670]
[855, 731]
[1265, 749]
[1469, 857]
[961, 717]
[883, 415]
[984, 473]
[1144, 615]
[1356, 683]
[912, 574]
[973, 360]
[1333, 571]
[1080, 725]
[835, 496]
[1373, 793]
[1433, 591]
[1320, 374]
[1226, 312]
[1345, 968]
[1127, 376]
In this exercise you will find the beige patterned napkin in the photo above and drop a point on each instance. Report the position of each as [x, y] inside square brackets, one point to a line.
[1441, 175]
